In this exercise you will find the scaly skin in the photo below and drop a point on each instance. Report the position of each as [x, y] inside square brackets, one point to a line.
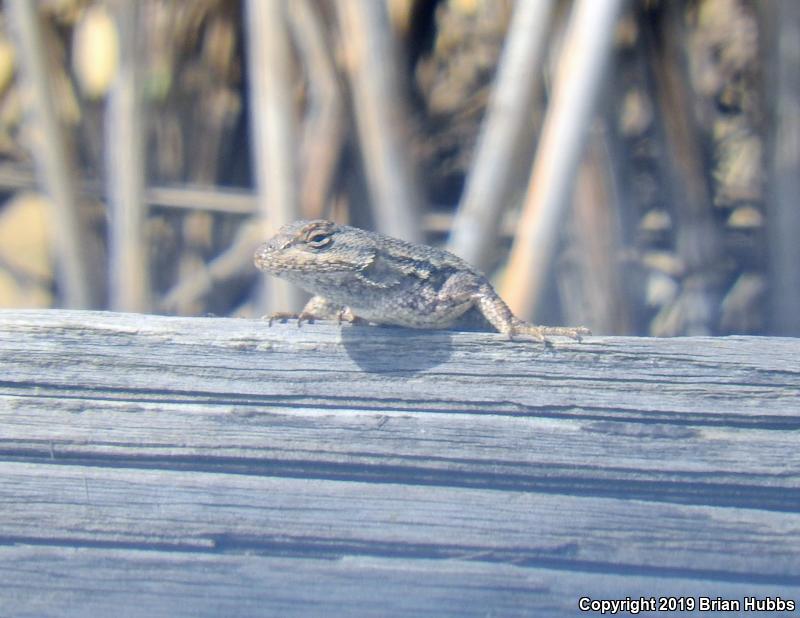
[359, 274]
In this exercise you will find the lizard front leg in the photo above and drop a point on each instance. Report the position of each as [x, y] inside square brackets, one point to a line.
[317, 308]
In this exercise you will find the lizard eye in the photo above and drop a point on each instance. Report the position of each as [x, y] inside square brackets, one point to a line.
[317, 240]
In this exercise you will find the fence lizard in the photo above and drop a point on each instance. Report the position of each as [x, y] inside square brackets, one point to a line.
[359, 274]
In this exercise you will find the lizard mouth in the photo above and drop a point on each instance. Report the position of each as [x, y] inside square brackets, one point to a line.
[269, 258]
[263, 257]
[275, 261]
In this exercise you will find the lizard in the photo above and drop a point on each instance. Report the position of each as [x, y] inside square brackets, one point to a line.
[359, 275]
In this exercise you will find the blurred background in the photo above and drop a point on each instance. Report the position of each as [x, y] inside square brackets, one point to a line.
[633, 167]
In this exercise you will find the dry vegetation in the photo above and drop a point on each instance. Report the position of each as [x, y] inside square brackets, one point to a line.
[672, 229]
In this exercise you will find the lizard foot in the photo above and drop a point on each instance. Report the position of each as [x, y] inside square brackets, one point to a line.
[573, 332]
[541, 333]
[345, 314]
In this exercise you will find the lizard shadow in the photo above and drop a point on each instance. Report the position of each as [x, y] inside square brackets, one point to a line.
[396, 351]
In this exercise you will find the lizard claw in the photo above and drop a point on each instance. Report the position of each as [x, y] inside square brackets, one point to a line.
[280, 316]
[573, 332]
[305, 316]
[345, 314]
[285, 316]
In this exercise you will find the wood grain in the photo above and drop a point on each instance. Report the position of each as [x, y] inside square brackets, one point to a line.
[185, 466]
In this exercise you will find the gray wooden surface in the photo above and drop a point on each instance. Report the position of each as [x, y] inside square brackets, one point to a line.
[154, 466]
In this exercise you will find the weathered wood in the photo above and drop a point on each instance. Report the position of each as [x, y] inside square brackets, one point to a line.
[194, 510]
[249, 585]
[217, 466]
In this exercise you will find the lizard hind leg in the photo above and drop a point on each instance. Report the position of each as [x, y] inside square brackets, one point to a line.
[498, 313]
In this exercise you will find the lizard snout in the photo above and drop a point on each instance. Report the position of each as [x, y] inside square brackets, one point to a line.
[263, 255]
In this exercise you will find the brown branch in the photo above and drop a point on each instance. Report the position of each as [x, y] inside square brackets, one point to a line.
[325, 122]
[53, 158]
[486, 195]
[381, 116]
[273, 120]
[579, 78]
[129, 268]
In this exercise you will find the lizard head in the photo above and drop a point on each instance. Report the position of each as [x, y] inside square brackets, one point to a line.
[315, 247]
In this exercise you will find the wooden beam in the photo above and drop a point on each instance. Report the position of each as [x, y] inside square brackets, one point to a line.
[439, 468]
